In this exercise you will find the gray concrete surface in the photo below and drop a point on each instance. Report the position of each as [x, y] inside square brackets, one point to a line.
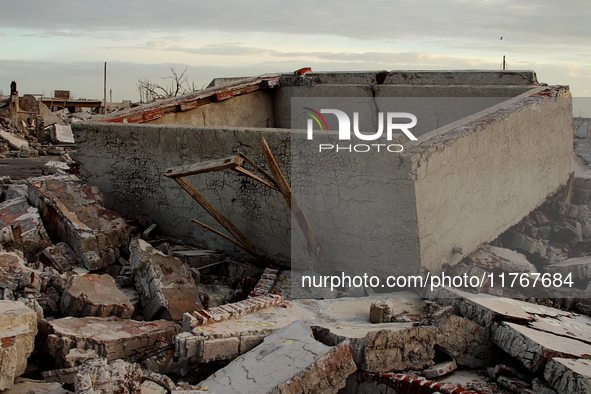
[459, 185]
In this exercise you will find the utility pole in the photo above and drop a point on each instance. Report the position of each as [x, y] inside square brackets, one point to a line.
[504, 63]
[105, 91]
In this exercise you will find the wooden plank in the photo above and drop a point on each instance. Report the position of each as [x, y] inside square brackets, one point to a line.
[217, 215]
[204, 166]
[296, 210]
[257, 168]
[216, 232]
[249, 174]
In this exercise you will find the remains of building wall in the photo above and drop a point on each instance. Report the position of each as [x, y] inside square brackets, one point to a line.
[457, 186]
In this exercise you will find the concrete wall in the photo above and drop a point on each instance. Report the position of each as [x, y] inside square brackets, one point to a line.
[126, 162]
[475, 180]
[248, 110]
[459, 185]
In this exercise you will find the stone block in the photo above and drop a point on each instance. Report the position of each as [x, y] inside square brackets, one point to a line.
[110, 338]
[59, 257]
[569, 376]
[18, 327]
[288, 361]
[165, 284]
[94, 295]
[25, 227]
[14, 141]
[73, 212]
[61, 134]
[440, 369]
[55, 167]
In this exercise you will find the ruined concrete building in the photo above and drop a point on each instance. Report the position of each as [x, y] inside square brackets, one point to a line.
[491, 147]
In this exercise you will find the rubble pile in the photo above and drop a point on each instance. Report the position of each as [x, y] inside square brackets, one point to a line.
[93, 303]
[43, 133]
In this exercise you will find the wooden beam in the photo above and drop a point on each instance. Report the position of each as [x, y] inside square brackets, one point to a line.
[296, 210]
[217, 215]
[203, 167]
[257, 168]
[205, 226]
[249, 174]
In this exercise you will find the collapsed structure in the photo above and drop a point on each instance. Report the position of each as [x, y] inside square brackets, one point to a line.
[491, 153]
[103, 290]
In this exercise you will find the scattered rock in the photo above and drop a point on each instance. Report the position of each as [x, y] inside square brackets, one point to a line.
[165, 284]
[18, 327]
[74, 213]
[94, 295]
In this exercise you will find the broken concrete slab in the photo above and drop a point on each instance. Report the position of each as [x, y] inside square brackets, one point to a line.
[55, 167]
[110, 338]
[13, 140]
[288, 361]
[534, 348]
[73, 212]
[574, 327]
[49, 118]
[61, 134]
[59, 257]
[495, 258]
[487, 309]
[578, 267]
[22, 227]
[18, 327]
[376, 347]
[569, 376]
[465, 341]
[165, 284]
[94, 295]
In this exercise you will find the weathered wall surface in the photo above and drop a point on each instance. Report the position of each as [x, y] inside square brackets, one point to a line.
[362, 207]
[126, 163]
[460, 185]
[475, 180]
[248, 110]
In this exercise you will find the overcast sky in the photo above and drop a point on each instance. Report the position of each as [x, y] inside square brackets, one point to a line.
[63, 44]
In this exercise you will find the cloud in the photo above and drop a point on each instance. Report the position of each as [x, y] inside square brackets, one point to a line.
[539, 22]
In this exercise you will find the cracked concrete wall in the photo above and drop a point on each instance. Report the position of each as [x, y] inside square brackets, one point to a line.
[248, 110]
[493, 169]
[126, 163]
